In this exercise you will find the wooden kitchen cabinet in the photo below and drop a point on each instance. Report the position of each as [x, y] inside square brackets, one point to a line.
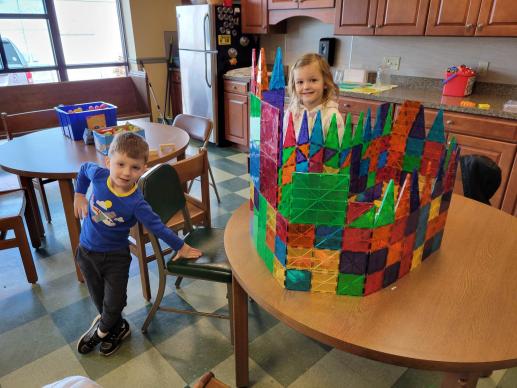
[510, 197]
[236, 115]
[355, 106]
[472, 18]
[254, 16]
[175, 91]
[301, 4]
[381, 17]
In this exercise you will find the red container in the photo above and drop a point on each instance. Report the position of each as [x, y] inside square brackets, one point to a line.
[459, 86]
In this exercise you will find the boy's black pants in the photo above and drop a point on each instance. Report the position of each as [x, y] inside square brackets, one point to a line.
[106, 275]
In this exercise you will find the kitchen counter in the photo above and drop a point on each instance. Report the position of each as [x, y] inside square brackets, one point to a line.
[429, 92]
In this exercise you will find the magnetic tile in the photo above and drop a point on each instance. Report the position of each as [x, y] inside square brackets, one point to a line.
[18, 347]
[281, 343]
[195, 349]
[46, 369]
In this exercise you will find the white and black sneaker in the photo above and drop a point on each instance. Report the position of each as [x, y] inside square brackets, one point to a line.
[113, 340]
[90, 339]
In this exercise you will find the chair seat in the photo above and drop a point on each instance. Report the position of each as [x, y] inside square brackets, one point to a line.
[12, 204]
[213, 265]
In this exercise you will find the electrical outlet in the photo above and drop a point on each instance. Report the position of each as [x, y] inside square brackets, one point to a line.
[482, 68]
[392, 62]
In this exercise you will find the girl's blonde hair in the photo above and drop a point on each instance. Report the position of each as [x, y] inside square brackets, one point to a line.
[330, 89]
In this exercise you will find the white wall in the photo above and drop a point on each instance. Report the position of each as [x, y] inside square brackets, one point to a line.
[420, 55]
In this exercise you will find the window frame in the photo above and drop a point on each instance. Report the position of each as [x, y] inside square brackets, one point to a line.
[57, 48]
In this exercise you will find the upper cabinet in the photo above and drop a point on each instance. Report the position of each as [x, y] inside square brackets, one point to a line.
[381, 17]
[299, 4]
[472, 18]
[254, 16]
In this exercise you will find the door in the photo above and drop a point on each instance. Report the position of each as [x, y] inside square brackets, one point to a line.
[355, 17]
[401, 17]
[202, 37]
[310, 4]
[236, 118]
[497, 18]
[452, 17]
[282, 4]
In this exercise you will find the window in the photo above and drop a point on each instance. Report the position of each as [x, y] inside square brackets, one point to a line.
[60, 40]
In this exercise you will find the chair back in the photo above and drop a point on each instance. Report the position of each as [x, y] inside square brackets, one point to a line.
[199, 128]
[162, 189]
[481, 177]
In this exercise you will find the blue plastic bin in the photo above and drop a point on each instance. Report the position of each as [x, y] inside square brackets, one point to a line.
[73, 124]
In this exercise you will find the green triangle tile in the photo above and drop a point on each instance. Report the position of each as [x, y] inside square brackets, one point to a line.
[365, 221]
[389, 121]
[286, 154]
[358, 133]
[346, 141]
[332, 140]
[386, 213]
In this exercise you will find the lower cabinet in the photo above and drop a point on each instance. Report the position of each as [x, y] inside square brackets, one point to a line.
[236, 116]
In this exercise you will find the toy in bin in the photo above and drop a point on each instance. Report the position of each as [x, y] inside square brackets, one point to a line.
[104, 136]
[73, 118]
[458, 81]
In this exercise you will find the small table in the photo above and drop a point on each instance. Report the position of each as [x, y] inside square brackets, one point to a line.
[49, 154]
[455, 313]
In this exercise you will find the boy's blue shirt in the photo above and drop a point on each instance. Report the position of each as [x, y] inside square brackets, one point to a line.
[111, 215]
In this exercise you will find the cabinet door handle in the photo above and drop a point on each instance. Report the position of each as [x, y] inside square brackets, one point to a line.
[468, 26]
[378, 26]
[480, 26]
[371, 26]
[449, 122]
[346, 105]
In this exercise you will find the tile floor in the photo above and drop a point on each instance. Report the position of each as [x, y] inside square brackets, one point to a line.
[40, 325]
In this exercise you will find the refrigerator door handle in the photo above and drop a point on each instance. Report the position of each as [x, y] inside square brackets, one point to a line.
[206, 71]
[205, 19]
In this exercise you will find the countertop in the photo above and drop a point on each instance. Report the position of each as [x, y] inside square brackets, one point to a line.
[429, 92]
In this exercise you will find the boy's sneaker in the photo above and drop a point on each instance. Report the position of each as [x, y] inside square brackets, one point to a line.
[112, 342]
[90, 339]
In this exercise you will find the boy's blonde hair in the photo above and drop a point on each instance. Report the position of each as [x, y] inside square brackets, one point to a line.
[130, 144]
[330, 90]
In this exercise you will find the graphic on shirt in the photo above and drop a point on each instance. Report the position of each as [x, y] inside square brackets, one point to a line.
[101, 214]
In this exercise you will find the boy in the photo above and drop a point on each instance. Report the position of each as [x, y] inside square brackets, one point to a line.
[103, 254]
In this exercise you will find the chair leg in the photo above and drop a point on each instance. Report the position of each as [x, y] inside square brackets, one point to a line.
[25, 251]
[144, 271]
[213, 183]
[178, 282]
[157, 301]
[230, 308]
[43, 196]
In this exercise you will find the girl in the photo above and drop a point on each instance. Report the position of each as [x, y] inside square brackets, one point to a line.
[312, 89]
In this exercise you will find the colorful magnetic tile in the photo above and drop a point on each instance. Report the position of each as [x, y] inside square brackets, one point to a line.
[417, 257]
[300, 258]
[373, 282]
[298, 280]
[435, 208]
[349, 284]
[270, 239]
[357, 239]
[281, 227]
[328, 237]
[326, 260]
[391, 274]
[405, 264]
[279, 272]
[394, 253]
[428, 249]
[398, 230]
[412, 222]
[353, 262]
[280, 251]
[381, 237]
[300, 235]
[377, 260]
[324, 282]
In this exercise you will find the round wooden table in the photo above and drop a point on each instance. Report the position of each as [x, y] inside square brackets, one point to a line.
[455, 313]
[49, 154]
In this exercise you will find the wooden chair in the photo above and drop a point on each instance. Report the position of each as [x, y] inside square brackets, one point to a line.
[198, 128]
[162, 189]
[12, 208]
[198, 208]
[38, 182]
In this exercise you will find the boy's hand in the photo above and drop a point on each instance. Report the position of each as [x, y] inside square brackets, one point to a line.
[187, 252]
[80, 205]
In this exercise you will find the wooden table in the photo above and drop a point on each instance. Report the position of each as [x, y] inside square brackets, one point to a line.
[456, 313]
[49, 154]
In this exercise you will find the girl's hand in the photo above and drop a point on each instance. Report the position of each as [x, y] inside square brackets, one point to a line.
[187, 252]
[80, 206]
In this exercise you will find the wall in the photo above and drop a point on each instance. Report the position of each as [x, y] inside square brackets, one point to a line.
[420, 56]
[145, 23]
